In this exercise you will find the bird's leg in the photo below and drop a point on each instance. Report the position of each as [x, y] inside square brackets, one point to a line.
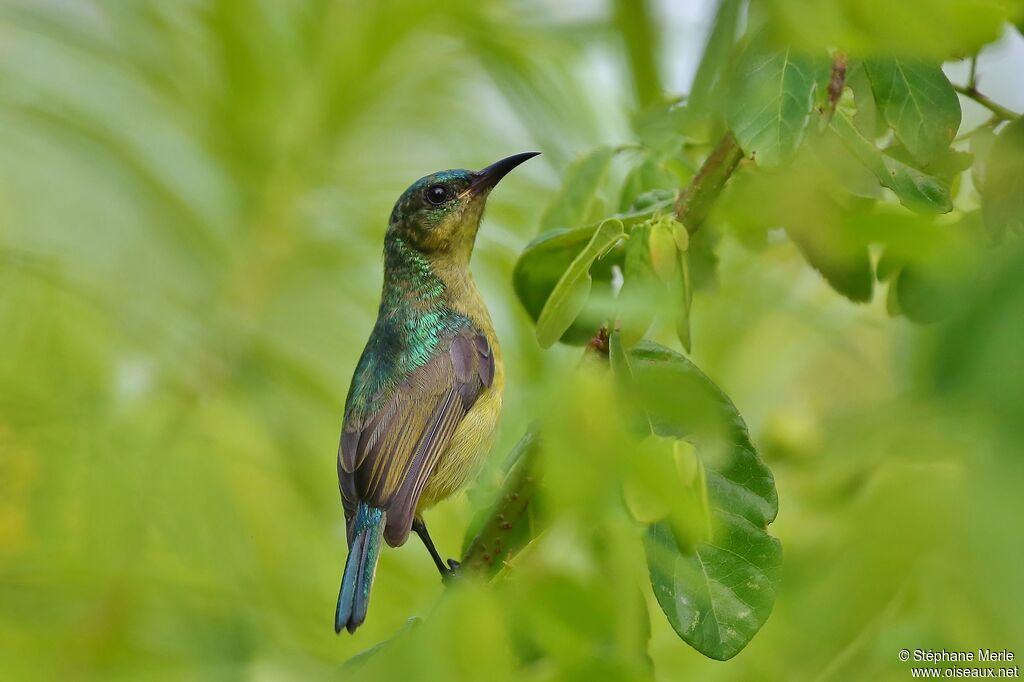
[420, 529]
[447, 571]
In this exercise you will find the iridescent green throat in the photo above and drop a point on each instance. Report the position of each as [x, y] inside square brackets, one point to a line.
[415, 301]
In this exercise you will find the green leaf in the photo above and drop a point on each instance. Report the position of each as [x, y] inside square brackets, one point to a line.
[710, 82]
[937, 29]
[892, 298]
[703, 258]
[650, 487]
[547, 257]
[841, 258]
[888, 266]
[617, 358]
[719, 593]
[801, 198]
[640, 288]
[659, 126]
[619, 361]
[1002, 197]
[542, 263]
[647, 176]
[635, 24]
[664, 483]
[929, 263]
[918, 102]
[915, 189]
[920, 294]
[948, 164]
[681, 287]
[866, 117]
[663, 248]
[648, 204]
[570, 294]
[977, 363]
[684, 303]
[716, 51]
[771, 100]
[583, 179]
[982, 141]
[832, 168]
[669, 240]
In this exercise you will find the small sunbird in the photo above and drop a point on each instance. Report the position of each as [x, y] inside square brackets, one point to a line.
[426, 393]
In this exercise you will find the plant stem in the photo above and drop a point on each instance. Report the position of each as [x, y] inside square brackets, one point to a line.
[502, 533]
[998, 109]
[972, 76]
[696, 199]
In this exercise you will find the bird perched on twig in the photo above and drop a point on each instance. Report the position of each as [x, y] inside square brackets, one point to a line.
[426, 393]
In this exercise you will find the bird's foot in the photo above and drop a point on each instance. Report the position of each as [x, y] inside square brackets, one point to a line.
[452, 572]
[448, 572]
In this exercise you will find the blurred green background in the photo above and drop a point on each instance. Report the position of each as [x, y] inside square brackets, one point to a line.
[193, 196]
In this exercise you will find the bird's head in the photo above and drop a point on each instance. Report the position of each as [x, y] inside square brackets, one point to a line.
[440, 213]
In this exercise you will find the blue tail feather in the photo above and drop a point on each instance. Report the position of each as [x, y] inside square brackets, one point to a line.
[354, 597]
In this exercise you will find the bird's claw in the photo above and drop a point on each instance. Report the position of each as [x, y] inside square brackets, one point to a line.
[453, 571]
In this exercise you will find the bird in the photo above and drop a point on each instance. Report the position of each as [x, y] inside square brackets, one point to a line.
[426, 393]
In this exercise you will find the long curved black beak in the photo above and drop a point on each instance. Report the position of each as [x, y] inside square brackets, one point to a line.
[487, 178]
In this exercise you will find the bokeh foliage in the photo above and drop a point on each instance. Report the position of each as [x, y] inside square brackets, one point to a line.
[192, 201]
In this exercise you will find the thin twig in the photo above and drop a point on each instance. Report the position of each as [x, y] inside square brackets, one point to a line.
[989, 124]
[501, 534]
[695, 201]
[998, 109]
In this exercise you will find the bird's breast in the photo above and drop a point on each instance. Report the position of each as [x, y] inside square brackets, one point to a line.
[474, 435]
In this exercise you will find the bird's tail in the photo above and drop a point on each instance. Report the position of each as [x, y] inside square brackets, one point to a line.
[359, 568]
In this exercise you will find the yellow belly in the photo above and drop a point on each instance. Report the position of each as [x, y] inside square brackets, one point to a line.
[471, 442]
[474, 435]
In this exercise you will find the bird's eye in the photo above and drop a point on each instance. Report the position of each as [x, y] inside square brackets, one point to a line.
[437, 194]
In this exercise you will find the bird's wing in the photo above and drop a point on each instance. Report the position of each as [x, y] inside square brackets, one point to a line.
[387, 454]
